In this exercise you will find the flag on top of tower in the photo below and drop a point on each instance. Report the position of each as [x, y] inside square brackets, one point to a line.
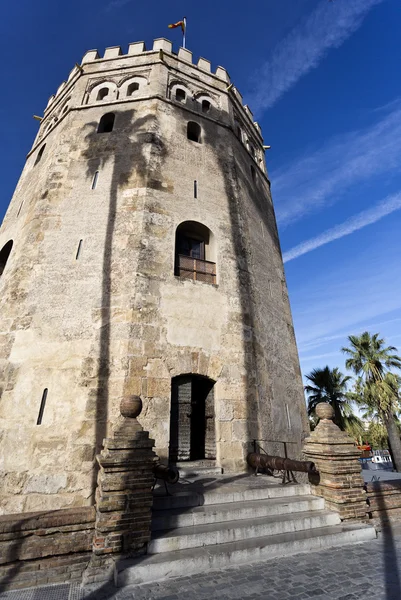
[178, 24]
[183, 25]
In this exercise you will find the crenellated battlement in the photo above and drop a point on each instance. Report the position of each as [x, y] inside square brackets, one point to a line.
[139, 48]
[114, 68]
[163, 44]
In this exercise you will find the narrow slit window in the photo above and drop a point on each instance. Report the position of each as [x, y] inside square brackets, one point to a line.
[94, 180]
[40, 154]
[195, 189]
[19, 210]
[288, 416]
[4, 255]
[253, 173]
[42, 407]
[133, 87]
[194, 132]
[106, 123]
[78, 250]
[180, 95]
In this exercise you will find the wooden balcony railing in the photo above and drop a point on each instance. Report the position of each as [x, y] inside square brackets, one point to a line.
[194, 268]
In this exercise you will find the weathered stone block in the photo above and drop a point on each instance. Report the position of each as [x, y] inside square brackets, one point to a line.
[336, 457]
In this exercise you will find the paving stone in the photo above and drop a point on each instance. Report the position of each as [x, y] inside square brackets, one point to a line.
[350, 573]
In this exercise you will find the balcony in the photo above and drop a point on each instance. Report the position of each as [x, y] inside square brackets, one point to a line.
[196, 269]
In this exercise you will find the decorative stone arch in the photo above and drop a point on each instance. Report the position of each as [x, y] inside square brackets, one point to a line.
[65, 107]
[98, 92]
[175, 91]
[132, 86]
[192, 418]
[5, 255]
[195, 252]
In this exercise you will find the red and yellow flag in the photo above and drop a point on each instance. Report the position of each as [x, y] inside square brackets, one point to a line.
[178, 24]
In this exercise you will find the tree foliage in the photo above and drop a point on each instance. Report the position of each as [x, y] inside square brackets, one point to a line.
[330, 385]
[377, 388]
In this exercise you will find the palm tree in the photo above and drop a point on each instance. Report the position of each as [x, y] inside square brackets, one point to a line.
[377, 388]
[330, 385]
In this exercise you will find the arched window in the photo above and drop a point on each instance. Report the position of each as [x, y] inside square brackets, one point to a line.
[40, 154]
[180, 95]
[194, 131]
[133, 87]
[102, 93]
[106, 123]
[4, 255]
[206, 106]
[195, 253]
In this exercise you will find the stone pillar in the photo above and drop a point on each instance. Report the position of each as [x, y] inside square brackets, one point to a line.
[336, 457]
[124, 494]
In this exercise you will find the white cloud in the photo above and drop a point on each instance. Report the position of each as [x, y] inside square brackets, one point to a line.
[364, 218]
[320, 177]
[115, 4]
[345, 298]
[328, 26]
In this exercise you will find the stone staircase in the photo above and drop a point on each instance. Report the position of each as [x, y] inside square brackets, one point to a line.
[221, 520]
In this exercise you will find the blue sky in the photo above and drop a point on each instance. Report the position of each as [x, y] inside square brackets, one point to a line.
[323, 79]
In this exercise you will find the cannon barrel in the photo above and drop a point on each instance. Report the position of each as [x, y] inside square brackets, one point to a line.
[168, 474]
[265, 461]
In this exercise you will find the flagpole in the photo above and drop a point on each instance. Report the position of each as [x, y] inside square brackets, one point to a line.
[184, 32]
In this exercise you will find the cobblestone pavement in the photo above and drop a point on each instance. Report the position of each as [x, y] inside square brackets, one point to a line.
[361, 571]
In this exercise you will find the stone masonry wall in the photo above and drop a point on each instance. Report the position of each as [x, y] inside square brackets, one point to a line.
[384, 501]
[116, 320]
[40, 548]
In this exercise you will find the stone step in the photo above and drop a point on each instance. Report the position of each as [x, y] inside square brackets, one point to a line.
[193, 469]
[193, 464]
[202, 515]
[224, 494]
[231, 531]
[157, 567]
[196, 472]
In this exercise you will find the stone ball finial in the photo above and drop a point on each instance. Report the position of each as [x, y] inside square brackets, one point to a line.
[325, 411]
[131, 406]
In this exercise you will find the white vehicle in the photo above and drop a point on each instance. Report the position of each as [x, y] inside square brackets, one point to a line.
[381, 459]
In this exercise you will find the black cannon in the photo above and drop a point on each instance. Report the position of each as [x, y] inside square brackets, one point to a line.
[168, 474]
[267, 464]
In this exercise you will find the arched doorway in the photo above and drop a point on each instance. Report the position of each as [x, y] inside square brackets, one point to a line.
[192, 422]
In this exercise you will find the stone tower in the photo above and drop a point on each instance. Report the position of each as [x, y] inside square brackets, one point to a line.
[140, 255]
